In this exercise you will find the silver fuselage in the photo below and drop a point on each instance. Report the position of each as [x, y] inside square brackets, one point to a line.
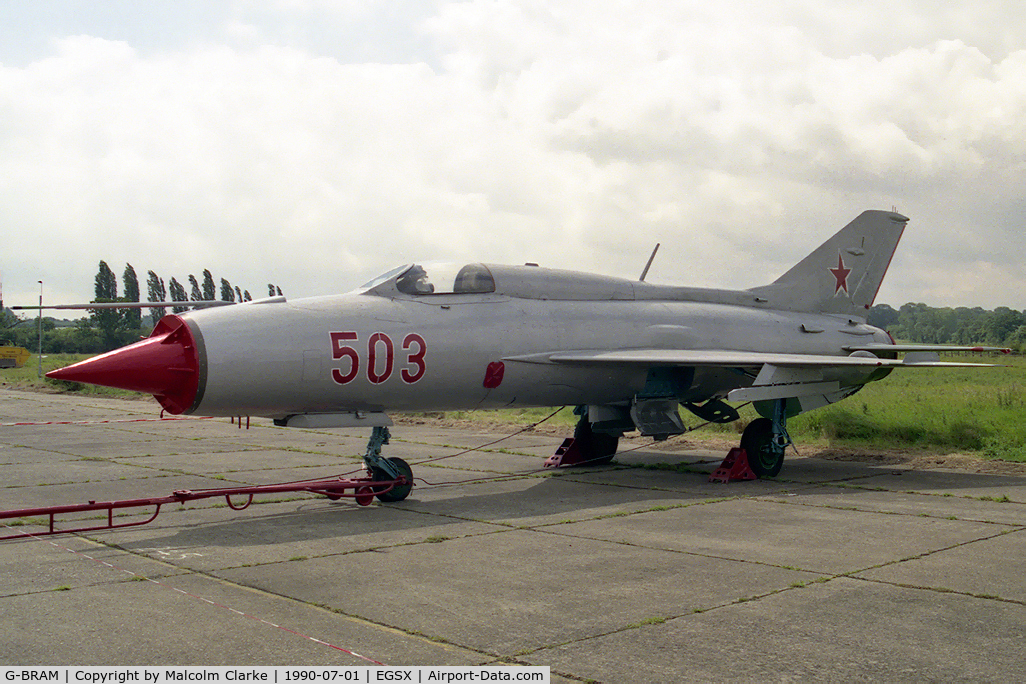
[378, 349]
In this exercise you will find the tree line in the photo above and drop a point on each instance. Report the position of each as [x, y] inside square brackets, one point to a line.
[917, 322]
[107, 329]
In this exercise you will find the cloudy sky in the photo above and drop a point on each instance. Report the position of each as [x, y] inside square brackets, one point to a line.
[316, 143]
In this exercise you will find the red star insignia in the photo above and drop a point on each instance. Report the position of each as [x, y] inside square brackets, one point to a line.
[841, 274]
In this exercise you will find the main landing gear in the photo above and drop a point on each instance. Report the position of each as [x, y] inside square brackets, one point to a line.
[766, 439]
[588, 447]
[597, 448]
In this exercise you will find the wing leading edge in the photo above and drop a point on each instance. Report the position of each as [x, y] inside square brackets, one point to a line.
[776, 375]
[729, 359]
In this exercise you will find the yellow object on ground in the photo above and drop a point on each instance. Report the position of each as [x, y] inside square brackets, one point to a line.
[13, 357]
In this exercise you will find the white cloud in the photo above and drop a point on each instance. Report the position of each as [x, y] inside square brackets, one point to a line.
[577, 135]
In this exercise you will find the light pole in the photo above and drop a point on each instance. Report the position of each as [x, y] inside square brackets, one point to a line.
[40, 328]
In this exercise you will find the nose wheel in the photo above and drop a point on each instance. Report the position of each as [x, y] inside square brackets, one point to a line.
[392, 470]
[398, 492]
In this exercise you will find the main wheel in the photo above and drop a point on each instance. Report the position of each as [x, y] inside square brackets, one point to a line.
[765, 457]
[398, 492]
[598, 448]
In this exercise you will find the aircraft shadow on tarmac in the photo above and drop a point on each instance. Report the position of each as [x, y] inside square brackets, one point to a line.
[575, 495]
[507, 503]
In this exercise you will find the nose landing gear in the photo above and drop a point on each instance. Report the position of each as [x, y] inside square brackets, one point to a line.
[393, 470]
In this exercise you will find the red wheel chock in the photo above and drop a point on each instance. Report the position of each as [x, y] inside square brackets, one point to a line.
[734, 467]
[567, 454]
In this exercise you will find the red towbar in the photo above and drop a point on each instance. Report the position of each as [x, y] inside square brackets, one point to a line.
[363, 489]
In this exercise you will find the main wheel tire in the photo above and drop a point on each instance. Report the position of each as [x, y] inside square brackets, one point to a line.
[598, 448]
[398, 492]
[765, 458]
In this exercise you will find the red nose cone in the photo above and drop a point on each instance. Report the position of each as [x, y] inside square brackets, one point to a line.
[165, 364]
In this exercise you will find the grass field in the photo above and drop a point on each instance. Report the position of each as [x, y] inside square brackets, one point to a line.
[973, 410]
[960, 409]
[27, 377]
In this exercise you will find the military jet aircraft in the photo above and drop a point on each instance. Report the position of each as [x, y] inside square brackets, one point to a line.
[627, 354]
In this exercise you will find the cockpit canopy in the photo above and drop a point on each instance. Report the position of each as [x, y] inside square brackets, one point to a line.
[439, 278]
[523, 282]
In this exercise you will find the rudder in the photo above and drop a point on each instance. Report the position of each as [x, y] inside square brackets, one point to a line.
[843, 274]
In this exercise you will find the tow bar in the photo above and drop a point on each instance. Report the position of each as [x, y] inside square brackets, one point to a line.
[362, 489]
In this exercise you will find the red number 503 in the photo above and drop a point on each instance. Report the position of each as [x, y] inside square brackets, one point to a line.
[380, 357]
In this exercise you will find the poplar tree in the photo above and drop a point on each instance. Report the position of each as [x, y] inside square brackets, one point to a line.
[195, 294]
[209, 290]
[156, 292]
[227, 293]
[109, 321]
[178, 295]
[132, 317]
[106, 282]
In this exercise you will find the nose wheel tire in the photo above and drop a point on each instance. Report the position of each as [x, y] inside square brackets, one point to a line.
[399, 491]
[765, 456]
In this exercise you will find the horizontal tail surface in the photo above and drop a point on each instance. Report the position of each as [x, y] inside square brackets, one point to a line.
[843, 274]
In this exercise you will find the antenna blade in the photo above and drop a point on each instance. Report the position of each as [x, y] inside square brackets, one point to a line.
[649, 264]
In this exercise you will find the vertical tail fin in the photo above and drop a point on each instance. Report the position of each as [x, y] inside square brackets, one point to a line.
[843, 274]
